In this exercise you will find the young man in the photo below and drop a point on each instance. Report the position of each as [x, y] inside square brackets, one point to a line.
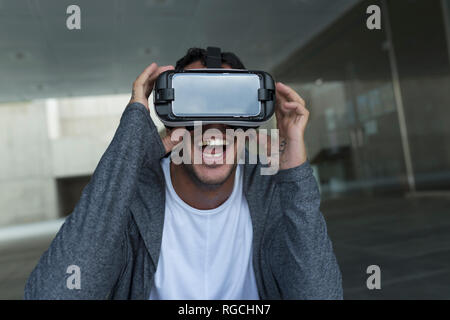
[146, 228]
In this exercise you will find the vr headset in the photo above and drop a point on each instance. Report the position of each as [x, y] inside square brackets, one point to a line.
[237, 97]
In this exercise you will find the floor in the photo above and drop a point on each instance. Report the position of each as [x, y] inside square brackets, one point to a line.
[408, 238]
[16, 263]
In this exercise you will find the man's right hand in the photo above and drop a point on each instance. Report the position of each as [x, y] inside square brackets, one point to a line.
[142, 88]
[143, 85]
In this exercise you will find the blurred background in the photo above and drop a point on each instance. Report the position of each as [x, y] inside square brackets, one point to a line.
[378, 136]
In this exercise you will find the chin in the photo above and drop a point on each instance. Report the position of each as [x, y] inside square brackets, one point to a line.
[215, 174]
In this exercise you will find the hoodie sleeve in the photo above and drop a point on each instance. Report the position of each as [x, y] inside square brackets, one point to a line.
[86, 257]
[302, 260]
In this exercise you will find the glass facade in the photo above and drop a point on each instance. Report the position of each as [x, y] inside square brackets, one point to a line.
[349, 76]
[421, 47]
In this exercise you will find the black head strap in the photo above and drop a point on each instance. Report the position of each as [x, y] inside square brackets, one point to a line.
[213, 57]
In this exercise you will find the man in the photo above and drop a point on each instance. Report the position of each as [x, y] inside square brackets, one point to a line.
[146, 228]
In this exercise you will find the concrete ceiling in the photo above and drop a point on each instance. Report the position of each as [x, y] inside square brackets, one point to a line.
[40, 57]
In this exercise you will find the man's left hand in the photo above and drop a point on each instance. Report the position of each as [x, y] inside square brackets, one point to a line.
[292, 117]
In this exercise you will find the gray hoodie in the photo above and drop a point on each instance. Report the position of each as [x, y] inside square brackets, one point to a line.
[114, 233]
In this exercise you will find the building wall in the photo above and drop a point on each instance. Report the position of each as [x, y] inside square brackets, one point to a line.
[48, 150]
[27, 187]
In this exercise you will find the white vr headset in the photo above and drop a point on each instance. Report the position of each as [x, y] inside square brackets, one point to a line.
[237, 97]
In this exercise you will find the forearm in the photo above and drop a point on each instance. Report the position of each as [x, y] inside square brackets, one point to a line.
[92, 235]
[303, 259]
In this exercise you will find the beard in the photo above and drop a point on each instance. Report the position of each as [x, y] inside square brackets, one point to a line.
[205, 183]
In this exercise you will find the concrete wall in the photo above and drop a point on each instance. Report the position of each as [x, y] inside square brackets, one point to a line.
[43, 140]
[27, 188]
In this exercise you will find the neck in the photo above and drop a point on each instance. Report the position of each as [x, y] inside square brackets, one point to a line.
[198, 195]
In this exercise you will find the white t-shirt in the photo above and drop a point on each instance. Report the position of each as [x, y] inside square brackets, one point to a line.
[205, 254]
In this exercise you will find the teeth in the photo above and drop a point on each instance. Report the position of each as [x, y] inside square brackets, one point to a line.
[214, 156]
[213, 142]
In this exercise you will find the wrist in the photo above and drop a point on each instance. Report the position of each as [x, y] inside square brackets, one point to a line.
[292, 153]
[141, 101]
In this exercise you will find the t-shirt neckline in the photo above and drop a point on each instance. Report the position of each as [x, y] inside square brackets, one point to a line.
[182, 203]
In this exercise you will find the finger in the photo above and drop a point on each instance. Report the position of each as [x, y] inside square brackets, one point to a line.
[300, 113]
[287, 93]
[280, 97]
[287, 109]
[158, 71]
[278, 111]
[146, 73]
[151, 79]
[173, 137]
[297, 107]
[177, 134]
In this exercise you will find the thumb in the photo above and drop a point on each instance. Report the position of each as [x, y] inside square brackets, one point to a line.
[173, 138]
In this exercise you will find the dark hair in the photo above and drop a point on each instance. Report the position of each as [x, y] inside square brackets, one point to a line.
[196, 54]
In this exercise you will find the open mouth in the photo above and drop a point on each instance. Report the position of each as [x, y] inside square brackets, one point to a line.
[213, 150]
